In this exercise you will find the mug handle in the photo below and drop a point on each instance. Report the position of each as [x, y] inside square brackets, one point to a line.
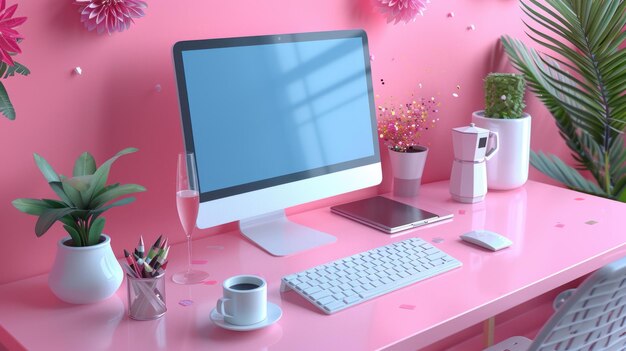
[492, 136]
[221, 306]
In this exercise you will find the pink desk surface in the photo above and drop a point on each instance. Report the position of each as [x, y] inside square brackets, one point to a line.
[558, 235]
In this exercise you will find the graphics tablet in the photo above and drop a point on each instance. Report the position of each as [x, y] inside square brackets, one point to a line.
[387, 215]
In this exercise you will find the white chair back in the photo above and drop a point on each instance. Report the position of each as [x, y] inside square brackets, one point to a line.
[593, 318]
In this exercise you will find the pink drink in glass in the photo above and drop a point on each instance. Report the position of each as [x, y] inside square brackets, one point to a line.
[187, 204]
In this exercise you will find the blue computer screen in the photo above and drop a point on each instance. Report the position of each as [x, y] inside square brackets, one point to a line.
[277, 111]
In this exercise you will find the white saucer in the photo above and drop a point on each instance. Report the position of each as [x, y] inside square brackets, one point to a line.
[273, 315]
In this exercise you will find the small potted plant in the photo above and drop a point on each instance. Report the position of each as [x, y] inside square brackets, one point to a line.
[400, 128]
[503, 113]
[85, 269]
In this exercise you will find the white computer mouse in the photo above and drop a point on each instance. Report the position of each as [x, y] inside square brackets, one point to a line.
[487, 239]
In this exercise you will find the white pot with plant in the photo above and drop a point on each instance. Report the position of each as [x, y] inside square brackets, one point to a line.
[85, 269]
[400, 128]
[503, 113]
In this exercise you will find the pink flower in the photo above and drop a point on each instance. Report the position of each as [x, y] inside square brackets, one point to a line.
[110, 15]
[8, 35]
[401, 10]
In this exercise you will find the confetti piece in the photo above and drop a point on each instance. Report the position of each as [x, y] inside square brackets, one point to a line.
[461, 212]
[438, 240]
[215, 247]
[210, 282]
[503, 97]
[78, 70]
[158, 88]
[450, 14]
[471, 27]
[185, 303]
[591, 222]
[199, 262]
[579, 199]
[455, 95]
[372, 57]
[407, 307]
[560, 225]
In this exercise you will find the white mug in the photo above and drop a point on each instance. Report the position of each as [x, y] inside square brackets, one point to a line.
[244, 301]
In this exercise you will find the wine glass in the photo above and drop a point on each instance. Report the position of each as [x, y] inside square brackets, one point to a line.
[187, 203]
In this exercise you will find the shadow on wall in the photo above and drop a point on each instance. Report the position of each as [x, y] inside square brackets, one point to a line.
[363, 13]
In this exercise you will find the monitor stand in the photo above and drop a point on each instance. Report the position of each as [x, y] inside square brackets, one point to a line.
[279, 236]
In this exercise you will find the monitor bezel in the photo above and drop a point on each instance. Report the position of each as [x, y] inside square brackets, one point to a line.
[220, 43]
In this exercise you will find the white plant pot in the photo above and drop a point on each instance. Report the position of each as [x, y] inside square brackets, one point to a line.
[508, 168]
[82, 275]
[407, 168]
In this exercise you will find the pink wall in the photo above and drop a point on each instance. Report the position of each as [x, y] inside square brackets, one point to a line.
[114, 105]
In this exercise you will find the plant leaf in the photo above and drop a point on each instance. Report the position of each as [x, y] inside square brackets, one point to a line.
[16, 68]
[85, 165]
[55, 203]
[31, 206]
[72, 193]
[47, 170]
[114, 193]
[80, 183]
[58, 189]
[48, 217]
[99, 211]
[6, 107]
[74, 235]
[102, 173]
[95, 230]
[553, 167]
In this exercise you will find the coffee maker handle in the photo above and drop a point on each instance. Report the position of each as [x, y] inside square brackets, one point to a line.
[493, 151]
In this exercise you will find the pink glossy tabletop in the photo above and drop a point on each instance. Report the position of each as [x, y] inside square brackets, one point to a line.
[558, 235]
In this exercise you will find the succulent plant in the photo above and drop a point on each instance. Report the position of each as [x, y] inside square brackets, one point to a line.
[83, 198]
[504, 95]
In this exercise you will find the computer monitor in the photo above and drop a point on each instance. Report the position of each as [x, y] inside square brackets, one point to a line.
[277, 121]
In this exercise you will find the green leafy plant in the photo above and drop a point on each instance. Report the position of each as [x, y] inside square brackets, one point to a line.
[581, 82]
[6, 71]
[83, 198]
[504, 95]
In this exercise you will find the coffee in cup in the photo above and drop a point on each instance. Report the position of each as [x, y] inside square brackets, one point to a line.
[244, 301]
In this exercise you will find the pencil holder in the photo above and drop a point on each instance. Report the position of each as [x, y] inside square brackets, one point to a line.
[146, 297]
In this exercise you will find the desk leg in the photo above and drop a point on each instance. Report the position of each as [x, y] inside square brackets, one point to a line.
[488, 330]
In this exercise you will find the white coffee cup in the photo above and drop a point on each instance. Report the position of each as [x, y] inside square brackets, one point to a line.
[244, 301]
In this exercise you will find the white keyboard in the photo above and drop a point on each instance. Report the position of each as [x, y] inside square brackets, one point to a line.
[349, 281]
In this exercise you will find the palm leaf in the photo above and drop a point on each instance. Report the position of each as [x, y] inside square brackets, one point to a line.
[16, 68]
[6, 107]
[557, 169]
[582, 86]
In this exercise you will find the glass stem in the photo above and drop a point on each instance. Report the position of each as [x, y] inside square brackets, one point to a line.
[188, 253]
